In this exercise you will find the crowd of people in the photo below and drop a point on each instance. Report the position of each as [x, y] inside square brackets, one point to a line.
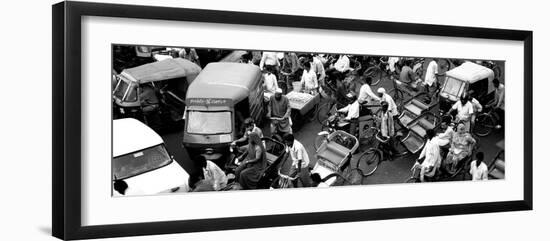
[443, 150]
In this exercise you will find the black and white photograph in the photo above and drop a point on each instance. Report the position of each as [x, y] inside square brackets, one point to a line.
[191, 119]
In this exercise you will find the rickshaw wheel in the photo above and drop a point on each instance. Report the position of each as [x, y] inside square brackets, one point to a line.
[368, 162]
[484, 125]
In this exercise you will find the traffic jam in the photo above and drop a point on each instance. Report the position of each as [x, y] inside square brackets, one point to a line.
[195, 120]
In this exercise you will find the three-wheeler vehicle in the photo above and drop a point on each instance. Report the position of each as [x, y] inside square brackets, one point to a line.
[154, 93]
[218, 101]
[463, 79]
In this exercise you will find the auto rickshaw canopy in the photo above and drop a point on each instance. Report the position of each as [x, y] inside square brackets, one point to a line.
[162, 70]
[471, 73]
[225, 81]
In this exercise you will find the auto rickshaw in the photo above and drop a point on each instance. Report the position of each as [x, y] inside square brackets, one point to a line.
[154, 93]
[218, 101]
[468, 77]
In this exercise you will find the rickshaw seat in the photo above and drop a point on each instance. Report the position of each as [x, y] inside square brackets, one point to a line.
[333, 152]
[421, 125]
[406, 118]
[413, 142]
[270, 157]
[416, 107]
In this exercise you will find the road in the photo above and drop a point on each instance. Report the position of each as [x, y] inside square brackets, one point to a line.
[389, 171]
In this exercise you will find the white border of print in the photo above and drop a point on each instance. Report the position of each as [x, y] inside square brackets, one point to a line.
[98, 33]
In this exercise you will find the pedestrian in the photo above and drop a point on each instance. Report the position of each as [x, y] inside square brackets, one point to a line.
[278, 110]
[478, 169]
[319, 69]
[270, 84]
[270, 61]
[300, 159]
[213, 175]
[309, 80]
[430, 80]
[388, 99]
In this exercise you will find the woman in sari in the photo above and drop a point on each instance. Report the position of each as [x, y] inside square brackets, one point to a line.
[250, 170]
[461, 147]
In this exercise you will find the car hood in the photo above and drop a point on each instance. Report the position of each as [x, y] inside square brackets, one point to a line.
[157, 181]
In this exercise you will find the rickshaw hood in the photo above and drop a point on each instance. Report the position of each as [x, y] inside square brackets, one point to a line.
[471, 72]
[225, 81]
[162, 70]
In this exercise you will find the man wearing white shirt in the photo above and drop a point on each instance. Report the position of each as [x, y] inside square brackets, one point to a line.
[298, 154]
[478, 169]
[430, 80]
[365, 93]
[309, 80]
[465, 111]
[270, 85]
[431, 156]
[388, 99]
[318, 67]
[269, 61]
[342, 64]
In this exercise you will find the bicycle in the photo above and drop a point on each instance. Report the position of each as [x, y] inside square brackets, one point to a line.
[486, 122]
[380, 70]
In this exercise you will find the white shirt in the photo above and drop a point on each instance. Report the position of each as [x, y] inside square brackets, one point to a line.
[298, 152]
[269, 58]
[391, 104]
[477, 106]
[499, 96]
[431, 152]
[318, 68]
[479, 173]
[309, 80]
[430, 73]
[464, 111]
[352, 110]
[342, 64]
[270, 83]
[214, 174]
[365, 93]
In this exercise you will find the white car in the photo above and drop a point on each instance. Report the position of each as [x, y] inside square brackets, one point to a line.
[141, 164]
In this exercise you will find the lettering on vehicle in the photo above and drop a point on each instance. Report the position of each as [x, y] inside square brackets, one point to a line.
[209, 101]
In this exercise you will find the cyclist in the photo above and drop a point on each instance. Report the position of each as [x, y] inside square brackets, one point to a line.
[352, 110]
[384, 97]
[430, 158]
[464, 109]
[366, 95]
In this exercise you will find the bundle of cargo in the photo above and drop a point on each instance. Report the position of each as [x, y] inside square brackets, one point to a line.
[302, 102]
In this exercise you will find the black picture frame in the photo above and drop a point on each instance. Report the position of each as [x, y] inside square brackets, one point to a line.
[66, 88]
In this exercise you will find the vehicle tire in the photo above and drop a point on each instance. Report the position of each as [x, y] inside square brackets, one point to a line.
[398, 97]
[323, 113]
[484, 125]
[375, 73]
[367, 139]
[368, 162]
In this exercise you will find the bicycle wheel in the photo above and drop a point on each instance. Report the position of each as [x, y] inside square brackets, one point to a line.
[398, 97]
[367, 137]
[375, 73]
[368, 162]
[484, 125]
[323, 112]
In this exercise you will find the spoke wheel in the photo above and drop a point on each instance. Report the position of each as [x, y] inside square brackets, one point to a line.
[484, 125]
[323, 112]
[375, 73]
[368, 162]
